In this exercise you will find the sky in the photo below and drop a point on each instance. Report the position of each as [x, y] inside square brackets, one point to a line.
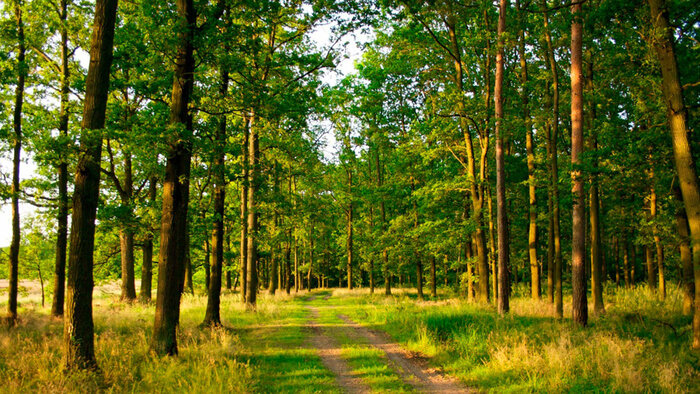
[321, 35]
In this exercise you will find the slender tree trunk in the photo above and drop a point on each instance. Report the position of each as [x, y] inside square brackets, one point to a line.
[349, 243]
[530, 148]
[476, 190]
[492, 255]
[501, 205]
[550, 229]
[244, 213]
[147, 266]
[470, 270]
[311, 259]
[578, 241]
[59, 283]
[382, 209]
[288, 260]
[677, 117]
[16, 150]
[554, 168]
[254, 176]
[653, 205]
[78, 330]
[126, 235]
[419, 278]
[128, 287]
[187, 285]
[296, 263]
[176, 194]
[597, 264]
[626, 263]
[212, 316]
[433, 283]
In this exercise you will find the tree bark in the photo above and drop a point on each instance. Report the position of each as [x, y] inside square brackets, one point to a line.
[535, 290]
[128, 287]
[174, 227]
[433, 283]
[554, 168]
[501, 205]
[677, 117]
[244, 212]
[476, 189]
[578, 238]
[252, 253]
[212, 316]
[653, 208]
[597, 266]
[78, 330]
[147, 264]
[59, 283]
[16, 151]
[687, 281]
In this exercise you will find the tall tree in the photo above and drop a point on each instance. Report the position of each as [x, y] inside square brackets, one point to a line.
[677, 115]
[173, 240]
[78, 330]
[501, 204]
[578, 241]
[16, 151]
[59, 283]
[213, 314]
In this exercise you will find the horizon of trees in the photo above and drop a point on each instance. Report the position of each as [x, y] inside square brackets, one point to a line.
[479, 146]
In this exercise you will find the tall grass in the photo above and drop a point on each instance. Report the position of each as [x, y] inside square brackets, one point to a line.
[641, 344]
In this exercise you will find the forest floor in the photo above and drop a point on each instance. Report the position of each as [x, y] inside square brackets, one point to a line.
[335, 340]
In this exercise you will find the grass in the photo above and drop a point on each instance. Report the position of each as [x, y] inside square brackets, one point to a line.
[640, 344]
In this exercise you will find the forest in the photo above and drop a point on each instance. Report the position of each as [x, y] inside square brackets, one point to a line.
[349, 196]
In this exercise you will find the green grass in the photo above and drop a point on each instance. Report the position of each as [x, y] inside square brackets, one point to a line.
[641, 344]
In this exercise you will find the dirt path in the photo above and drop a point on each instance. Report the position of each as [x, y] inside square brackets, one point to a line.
[329, 350]
[413, 370]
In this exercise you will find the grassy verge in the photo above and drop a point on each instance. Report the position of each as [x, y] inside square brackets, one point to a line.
[640, 345]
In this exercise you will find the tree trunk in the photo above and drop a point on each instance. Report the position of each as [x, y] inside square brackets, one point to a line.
[554, 168]
[349, 242]
[653, 207]
[176, 195]
[597, 265]
[254, 177]
[501, 205]
[530, 148]
[433, 283]
[578, 239]
[212, 317]
[187, 285]
[16, 150]
[626, 263]
[382, 209]
[687, 282]
[677, 117]
[476, 189]
[147, 268]
[128, 287]
[492, 255]
[244, 212]
[59, 283]
[288, 260]
[78, 330]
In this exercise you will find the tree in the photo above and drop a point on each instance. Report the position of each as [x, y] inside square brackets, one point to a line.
[503, 246]
[78, 324]
[578, 241]
[173, 240]
[17, 148]
[677, 118]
